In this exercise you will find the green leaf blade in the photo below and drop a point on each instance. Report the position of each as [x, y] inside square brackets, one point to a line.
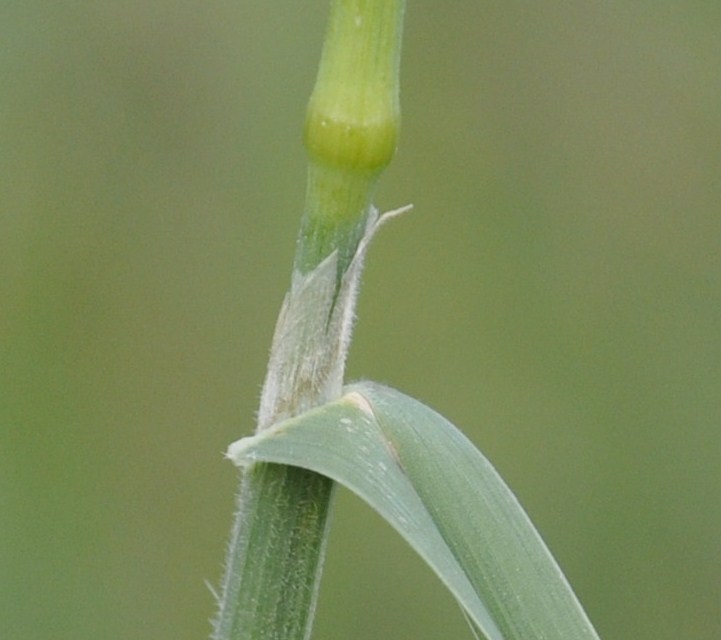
[438, 491]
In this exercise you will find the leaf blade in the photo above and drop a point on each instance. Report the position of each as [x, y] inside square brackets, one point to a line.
[434, 487]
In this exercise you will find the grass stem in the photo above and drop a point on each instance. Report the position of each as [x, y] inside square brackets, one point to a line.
[278, 538]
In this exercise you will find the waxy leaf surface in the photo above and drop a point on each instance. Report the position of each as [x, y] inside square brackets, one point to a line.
[441, 494]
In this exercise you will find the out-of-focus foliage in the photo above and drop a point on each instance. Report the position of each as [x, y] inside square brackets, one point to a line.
[560, 277]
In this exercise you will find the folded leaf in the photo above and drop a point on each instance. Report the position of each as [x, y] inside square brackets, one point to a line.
[441, 494]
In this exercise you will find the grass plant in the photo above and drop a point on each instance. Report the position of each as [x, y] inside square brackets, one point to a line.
[406, 461]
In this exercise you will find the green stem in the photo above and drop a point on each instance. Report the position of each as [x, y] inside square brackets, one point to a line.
[277, 543]
[331, 190]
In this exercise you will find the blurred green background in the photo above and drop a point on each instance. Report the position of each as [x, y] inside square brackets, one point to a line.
[556, 292]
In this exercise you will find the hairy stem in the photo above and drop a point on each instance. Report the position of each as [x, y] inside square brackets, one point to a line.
[277, 542]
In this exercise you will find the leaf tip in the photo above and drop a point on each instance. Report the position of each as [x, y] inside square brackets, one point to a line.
[240, 452]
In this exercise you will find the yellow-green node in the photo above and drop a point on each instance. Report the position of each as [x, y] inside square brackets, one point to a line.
[353, 115]
[362, 144]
